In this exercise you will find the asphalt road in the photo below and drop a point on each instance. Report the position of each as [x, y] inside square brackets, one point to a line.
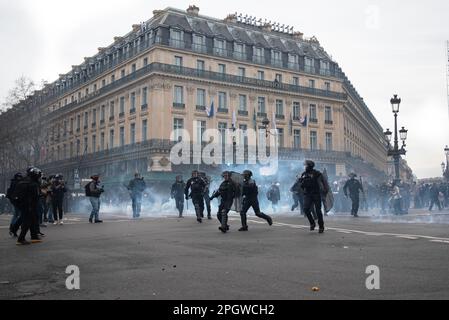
[170, 258]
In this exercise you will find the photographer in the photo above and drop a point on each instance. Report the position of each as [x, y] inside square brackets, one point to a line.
[93, 191]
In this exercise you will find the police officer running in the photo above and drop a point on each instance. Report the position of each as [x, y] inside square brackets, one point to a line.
[298, 195]
[249, 194]
[314, 186]
[177, 193]
[136, 188]
[196, 185]
[354, 186]
[227, 191]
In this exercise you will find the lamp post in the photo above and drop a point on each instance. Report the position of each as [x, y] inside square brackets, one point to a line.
[446, 172]
[394, 151]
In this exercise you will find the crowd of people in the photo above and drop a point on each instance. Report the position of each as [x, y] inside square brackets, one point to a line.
[36, 200]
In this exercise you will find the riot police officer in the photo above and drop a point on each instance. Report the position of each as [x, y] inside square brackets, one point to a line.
[196, 185]
[177, 193]
[227, 191]
[314, 186]
[27, 196]
[208, 180]
[298, 195]
[354, 186]
[249, 194]
[136, 188]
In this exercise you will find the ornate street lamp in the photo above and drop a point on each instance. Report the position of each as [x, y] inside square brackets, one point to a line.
[394, 151]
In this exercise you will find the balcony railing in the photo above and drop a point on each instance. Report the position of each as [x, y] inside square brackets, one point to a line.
[329, 122]
[202, 74]
[313, 120]
[178, 105]
[261, 114]
[280, 116]
[132, 111]
[242, 113]
[144, 107]
[222, 110]
[200, 108]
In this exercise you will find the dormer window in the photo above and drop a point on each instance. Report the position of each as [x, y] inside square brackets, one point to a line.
[259, 55]
[220, 47]
[199, 43]
[176, 38]
[239, 51]
[309, 65]
[276, 58]
[293, 62]
[324, 68]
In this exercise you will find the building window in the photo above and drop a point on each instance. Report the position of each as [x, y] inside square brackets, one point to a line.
[220, 47]
[178, 61]
[111, 138]
[122, 73]
[145, 62]
[324, 68]
[132, 132]
[243, 136]
[78, 122]
[313, 114]
[242, 103]
[297, 139]
[222, 100]
[296, 110]
[278, 78]
[293, 62]
[260, 75]
[222, 127]
[295, 81]
[311, 83]
[112, 78]
[145, 96]
[102, 113]
[86, 145]
[313, 141]
[133, 68]
[327, 86]
[241, 72]
[259, 55]
[133, 101]
[176, 39]
[86, 120]
[71, 125]
[201, 97]
[199, 43]
[221, 68]
[178, 126]
[122, 136]
[111, 110]
[200, 65]
[71, 149]
[94, 117]
[78, 147]
[144, 130]
[102, 141]
[279, 107]
[309, 64]
[201, 128]
[328, 115]
[239, 51]
[329, 141]
[261, 104]
[122, 106]
[280, 137]
[276, 58]
[94, 143]
[178, 95]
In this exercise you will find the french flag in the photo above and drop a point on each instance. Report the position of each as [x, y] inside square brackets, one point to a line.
[210, 111]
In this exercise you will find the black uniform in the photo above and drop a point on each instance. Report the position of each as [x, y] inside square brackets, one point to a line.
[136, 187]
[177, 193]
[354, 186]
[27, 191]
[197, 186]
[313, 184]
[298, 196]
[274, 195]
[207, 199]
[57, 192]
[249, 194]
[227, 191]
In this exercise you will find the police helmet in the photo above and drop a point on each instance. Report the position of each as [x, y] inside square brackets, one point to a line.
[309, 164]
[18, 175]
[226, 173]
[34, 172]
[247, 173]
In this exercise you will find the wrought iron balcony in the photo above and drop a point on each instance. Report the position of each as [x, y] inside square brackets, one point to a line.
[243, 113]
[178, 105]
[200, 108]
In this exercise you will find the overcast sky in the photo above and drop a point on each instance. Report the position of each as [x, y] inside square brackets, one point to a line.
[384, 46]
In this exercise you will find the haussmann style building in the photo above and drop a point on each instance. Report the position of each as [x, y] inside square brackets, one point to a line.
[113, 114]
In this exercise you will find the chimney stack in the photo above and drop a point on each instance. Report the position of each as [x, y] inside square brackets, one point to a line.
[298, 35]
[193, 10]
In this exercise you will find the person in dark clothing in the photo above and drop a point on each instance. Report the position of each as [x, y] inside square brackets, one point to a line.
[314, 186]
[177, 193]
[434, 192]
[249, 195]
[206, 195]
[26, 194]
[93, 192]
[227, 191]
[57, 192]
[16, 220]
[274, 195]
[298, 196]
[136, 188]
[196, 185]
[355, 187]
